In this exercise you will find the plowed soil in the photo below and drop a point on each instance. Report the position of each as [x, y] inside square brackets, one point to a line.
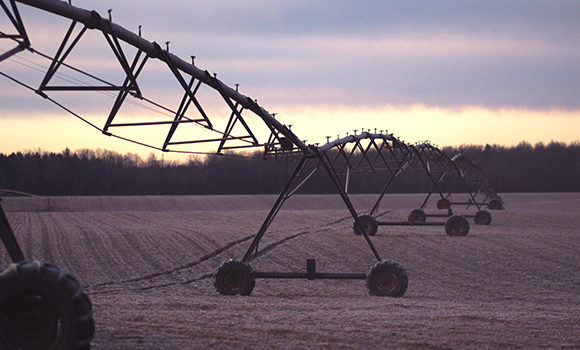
[147, 265]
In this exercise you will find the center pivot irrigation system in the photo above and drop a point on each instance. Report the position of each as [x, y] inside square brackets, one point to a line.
[436, 165]
[42, 307]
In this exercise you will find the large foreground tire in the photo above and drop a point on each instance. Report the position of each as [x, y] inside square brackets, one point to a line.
[495, 204]
[234, 277]
[387, 278]
[368, 223]
[417, 216]
[482, 217]
[41, 307]
[457, 225]
[443, 203]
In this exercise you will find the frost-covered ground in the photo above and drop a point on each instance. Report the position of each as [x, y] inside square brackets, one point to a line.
[146, 263]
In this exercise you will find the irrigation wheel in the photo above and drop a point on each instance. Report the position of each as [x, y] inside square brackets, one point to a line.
[387, 278]
[482, 217]
[233, 277]
[495, 204]
[457, 225]
[417, 216]
[443, 203]
[42, 307]
[368, 223]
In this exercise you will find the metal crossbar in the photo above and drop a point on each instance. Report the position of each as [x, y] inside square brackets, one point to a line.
[249, 126]
[115, 36]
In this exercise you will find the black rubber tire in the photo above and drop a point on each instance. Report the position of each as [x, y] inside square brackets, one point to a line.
[234, 276]
[42, 307]
[457, 225]
[495, 204]
[417, 216]
[368, 223]
[443, 203]
[387, 278]
[482, 217]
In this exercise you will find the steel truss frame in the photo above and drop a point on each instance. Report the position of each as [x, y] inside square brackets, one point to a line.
[296, 180]
[421, 159]
[475, 175]
[399, 158]
[470, 175]
[439, 161]
[21, 37]
[281, 139]
[359, 153]
[439, 166]
[394, 157]
[386, 277]
[381, 153]
[412, 160]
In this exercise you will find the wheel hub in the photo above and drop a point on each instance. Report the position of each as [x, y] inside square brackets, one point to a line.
[456, 227]
[234, 279]
[386, 281]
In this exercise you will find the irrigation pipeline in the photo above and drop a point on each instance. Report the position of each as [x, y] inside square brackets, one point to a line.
[360, 152]
[180, 69]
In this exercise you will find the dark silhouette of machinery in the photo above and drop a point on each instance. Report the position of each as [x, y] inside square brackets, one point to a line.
[44, 293]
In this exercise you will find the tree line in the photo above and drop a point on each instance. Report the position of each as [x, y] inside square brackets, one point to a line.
[553, 167]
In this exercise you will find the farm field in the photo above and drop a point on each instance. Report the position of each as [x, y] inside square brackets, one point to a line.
[147, 264]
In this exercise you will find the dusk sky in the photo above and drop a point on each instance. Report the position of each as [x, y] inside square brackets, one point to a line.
[452, 72]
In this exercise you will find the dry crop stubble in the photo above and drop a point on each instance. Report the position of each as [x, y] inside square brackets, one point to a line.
[148, 272]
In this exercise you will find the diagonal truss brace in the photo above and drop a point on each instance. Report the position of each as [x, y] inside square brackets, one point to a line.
[186, 87]
[364, 152]
[65, 49]
[236, 113]
[21, 38]
[292, 185]
[61, 55]
[91, 20]
[283, 196]
[131, 78]
[180, 114]
[230, 126]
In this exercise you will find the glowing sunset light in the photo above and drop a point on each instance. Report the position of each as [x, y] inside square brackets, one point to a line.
[479, 73]
[442, 126]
